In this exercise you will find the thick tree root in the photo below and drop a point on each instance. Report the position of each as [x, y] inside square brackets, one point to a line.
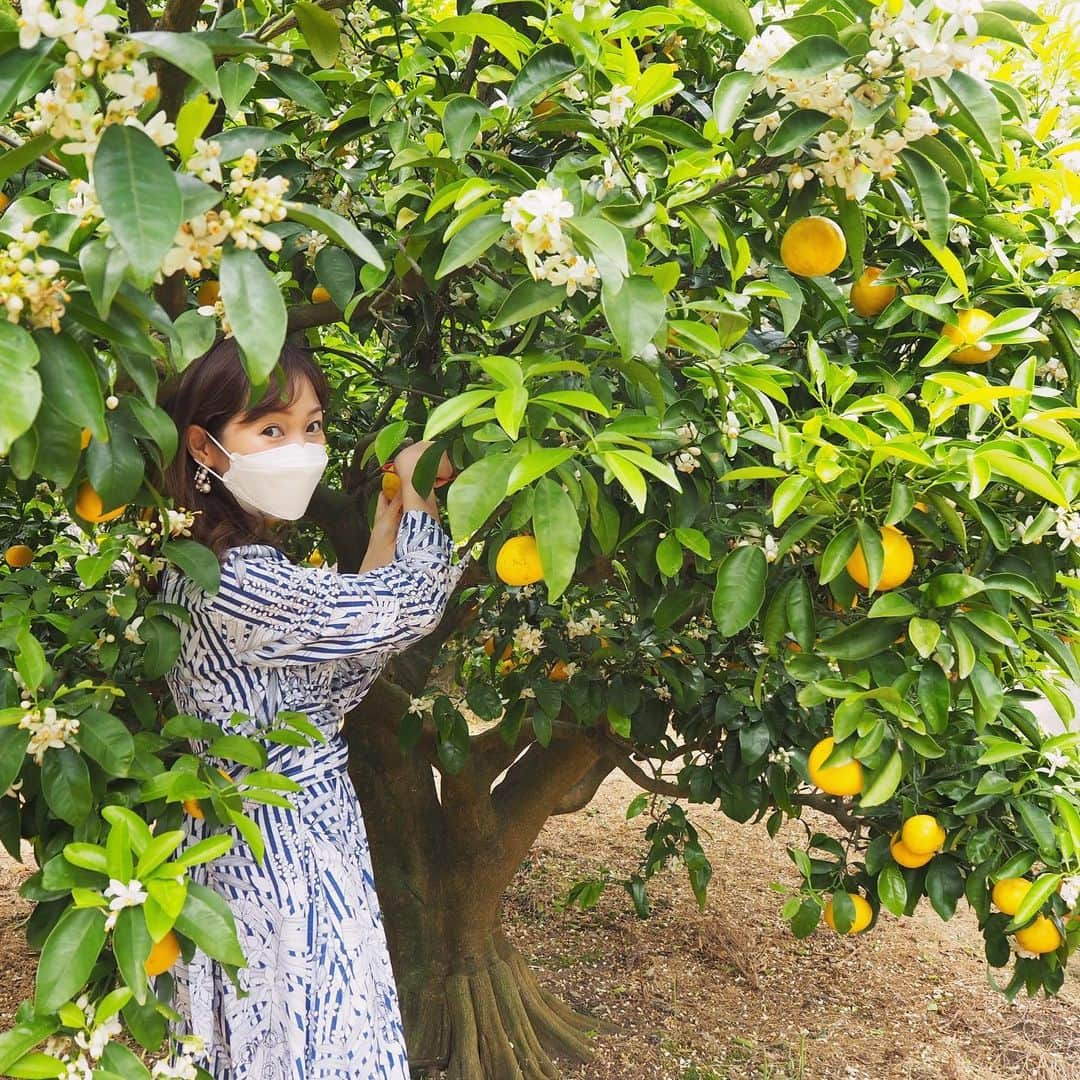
[495, 1022]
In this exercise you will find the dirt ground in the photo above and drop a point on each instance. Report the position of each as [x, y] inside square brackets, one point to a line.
[728, 993]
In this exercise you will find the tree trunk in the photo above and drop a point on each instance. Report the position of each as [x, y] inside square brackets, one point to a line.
[442, 861]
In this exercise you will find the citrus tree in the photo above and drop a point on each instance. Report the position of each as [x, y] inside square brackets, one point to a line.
[753, 336]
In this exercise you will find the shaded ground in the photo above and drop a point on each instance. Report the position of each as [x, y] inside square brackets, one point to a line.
[728, 993]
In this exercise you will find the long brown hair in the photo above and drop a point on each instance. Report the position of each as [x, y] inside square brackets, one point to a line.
[212, 391]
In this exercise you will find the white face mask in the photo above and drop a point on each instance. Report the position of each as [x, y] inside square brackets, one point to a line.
[277, 482]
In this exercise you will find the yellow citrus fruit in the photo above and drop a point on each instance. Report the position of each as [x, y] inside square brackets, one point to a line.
[5, 202]
[971, 325]
[316, 558]
[546, 107]
[1040, 937]
[1008, 894]
[813, 246]
[489, 648]
[897, 566]
[209, 292]
[904, 856]
[163, 954]
[922, 835]
[868, 298]
[863, 914]
[18, 555]
[89, 507]
[558, 672]
[193, 808]
[319, 294]
[85, 437]
[836, 779]
[923, 507]
[391, 484]
[518, 561]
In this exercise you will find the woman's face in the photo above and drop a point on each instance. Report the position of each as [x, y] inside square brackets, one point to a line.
[301, 421]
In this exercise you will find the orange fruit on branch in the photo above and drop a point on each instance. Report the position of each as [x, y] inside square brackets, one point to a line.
[899, 561]
[1008, 894]
[970, 326]
[813, 246]
[868, 298]
[320, 294]
[209, 293]
[902, 854]
[1040, 937]
[518, 561]
[163, 954]
[391, 484]
[836, 779]
[89, 507]
[864, 913]
[922, 835]
[18, 555]
[84, 438]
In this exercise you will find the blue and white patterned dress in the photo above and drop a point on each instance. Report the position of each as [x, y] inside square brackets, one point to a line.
[321, 1001]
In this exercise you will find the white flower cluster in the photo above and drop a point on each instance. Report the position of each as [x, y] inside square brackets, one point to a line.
[594, 9]
[925, 45]
[30, 288]
[1068, 528]
[780, 756]
[260, 201]
[180, 521]
[536, 229]
[1069, 299]
[98, 1037]
[1053, 371]
[615, 107]
[420, 705]
[123, 895]
[593, 623]
[527, 639]
[47, 729]
[1070, 890]
[686, 461]
[81, 27]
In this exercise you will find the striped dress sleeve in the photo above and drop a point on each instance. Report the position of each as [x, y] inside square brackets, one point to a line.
[280, 614]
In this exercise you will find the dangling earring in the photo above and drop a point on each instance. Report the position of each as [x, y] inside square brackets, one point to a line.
[202, 480]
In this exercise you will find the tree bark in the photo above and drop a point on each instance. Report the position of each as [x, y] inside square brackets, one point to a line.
[443, 857]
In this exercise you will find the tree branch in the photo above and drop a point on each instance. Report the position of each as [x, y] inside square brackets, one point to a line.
[338, 515]
[139, 17]
[270, 30]
[43, 162]
[581, 794]
[833, 807]
[179, 16]
[640, 777]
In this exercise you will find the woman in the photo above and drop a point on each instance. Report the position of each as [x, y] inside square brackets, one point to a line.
[318, 999]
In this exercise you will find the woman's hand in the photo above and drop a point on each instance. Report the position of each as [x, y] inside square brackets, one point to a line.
[405, 466]
[381, 545]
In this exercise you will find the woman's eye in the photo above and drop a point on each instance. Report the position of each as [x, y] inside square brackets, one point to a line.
[273, 430]
[315, 425]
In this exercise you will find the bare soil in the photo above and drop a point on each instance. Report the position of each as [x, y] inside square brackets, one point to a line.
[727, 993]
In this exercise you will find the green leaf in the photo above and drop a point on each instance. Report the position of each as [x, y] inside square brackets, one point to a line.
[197, 561]
[104, 737]
[162, 645]
[306, 93]
[17, 67]
[558, 535]
[448, 414]
[977, 104]
[1042, 888]
[788, 497]
[15, 160]
[1038, 824]
[860, 640]
[207, 920]
[948, 262]
[943, 590]
[934, 697]
[21, 400]
[944, 885]
[796, 130]
[336, 272]
[470, 243]
[635, 312]
[884, 784]
[191, 122]
[184, 51]
[892, 890]
[629, 476]
[131, 946]
[22, 1038]
[138, 191]
[255, 310]
[607, 245]
[321, 32]
[674, 131]
[461, 122]
[236, 80]
[342, 231]
[730, 98]
[837, 552]
[477, 492]
[932, 193]
[1025, 475]
[546, 69]
[70, 382]
[924, 635]
[730, 13]
[813, 55]
[13, 743]
[65, 782]
[68, 956]
[116, 467]
[526, 299]
[740, 589]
